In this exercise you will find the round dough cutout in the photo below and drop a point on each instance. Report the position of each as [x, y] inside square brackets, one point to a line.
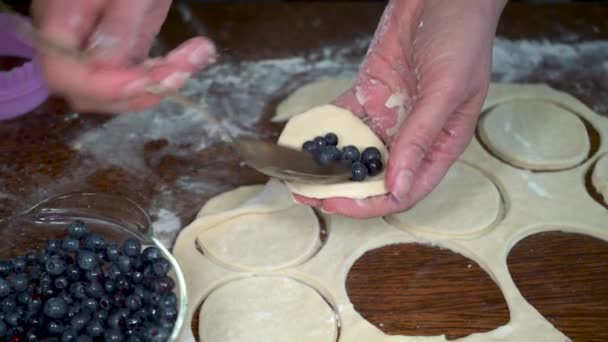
[263, 241]
[311, 95]
[350, 131]
[465, 203]
[535, 135]
[269, 309]
[599, 176]
[230, 199]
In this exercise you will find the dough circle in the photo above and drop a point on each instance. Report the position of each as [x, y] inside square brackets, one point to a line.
[230, 199]
[599, 177]
[535, 135]
[350, 131]
[269, 309]
[311, 95]
[263, 241]
[465, 203]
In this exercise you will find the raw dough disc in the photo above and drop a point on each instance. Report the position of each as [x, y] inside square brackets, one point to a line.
[599, 177]
[230, 199]
[465, 203]
[311, 95]
[535, 135]
[263, 241]
[350, 131]
[269, 309]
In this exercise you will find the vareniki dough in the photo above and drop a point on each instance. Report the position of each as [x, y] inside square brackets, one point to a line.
[599, 177]
[535, 135]
[350, 131]
[465, 203]
[266, 309]
[311, 95]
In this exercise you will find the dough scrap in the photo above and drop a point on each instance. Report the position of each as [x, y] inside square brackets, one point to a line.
[465, 203]
[535, 135]
[599, 176]
[534, 202]
[264, 241]
[311, 95]
[350, 131]
[269, 309]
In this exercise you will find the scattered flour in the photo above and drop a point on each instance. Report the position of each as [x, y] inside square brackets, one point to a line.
[166, 226]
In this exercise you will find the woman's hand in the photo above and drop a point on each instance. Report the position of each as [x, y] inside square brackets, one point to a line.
[421, 88]
[117, 35]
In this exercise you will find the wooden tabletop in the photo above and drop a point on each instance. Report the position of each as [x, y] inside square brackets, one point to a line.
[405, 289]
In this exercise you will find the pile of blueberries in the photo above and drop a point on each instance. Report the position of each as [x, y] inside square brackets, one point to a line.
[84, 288]
[362, 164]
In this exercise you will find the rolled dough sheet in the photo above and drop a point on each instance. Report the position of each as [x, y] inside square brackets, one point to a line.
[263, 241]
[350, 131]
[535, 135]
[533, 202]
[311, 95]
[269, 309]
[599, 177]
[465, 203]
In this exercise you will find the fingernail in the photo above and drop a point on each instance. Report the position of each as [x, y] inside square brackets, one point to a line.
[403, 184]
[204, 54]
[136, 87]
[152, 62]
[102, 43]
[176, 80]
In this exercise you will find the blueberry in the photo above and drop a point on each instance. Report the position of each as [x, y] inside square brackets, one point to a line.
[95, 328]
[359, 172]
[134, 338]
[79, 321]
[5, 288]
[109, 286]
[55, 266]
[31, 336]
[34, 305]
[131, 247]
[43, 257]
[3, 329]
[31, 257]
[5, 267]
[73, 310]
[163, 284]
[118, 299]
[168, 300]
[334, 152]
[374, 167]
[84, 338]
[8, 304]
[116, 321]
[95, 274]
[370, 153]
[133, 302]
[324, 157]
[72, 272]
[124, 264]
[309, 146]
[104, 302]
[24, 298]
[19, 264]
[155, 334]
[169, 313]
[123, 284]
[70, 244]
[68, 336]
[161, 267]
[55, 308]
[87, 260]
[101, 315]
[151, 253]
[331, 139]
[94, 289]
[53, 245]
[113, 336]
[113, 251]
[350, 153]
[320, 142]
[152, 299]
[95, 242]
[14, 319]
[89, 304]
[54, 328]
[45, 279]
[113, 271]
[137, 277]
[78, 290]
[78, 229]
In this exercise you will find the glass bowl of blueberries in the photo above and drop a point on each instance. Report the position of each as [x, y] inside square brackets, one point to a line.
[87, 267]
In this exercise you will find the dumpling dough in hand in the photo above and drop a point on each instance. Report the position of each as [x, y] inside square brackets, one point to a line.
[350, 131]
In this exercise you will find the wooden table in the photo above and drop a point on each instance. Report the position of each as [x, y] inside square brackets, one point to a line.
[403, 289]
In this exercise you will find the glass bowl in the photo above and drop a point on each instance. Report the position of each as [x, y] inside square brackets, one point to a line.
[114, 217]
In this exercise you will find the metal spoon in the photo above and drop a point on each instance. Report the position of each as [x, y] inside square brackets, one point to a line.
[273, 160]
